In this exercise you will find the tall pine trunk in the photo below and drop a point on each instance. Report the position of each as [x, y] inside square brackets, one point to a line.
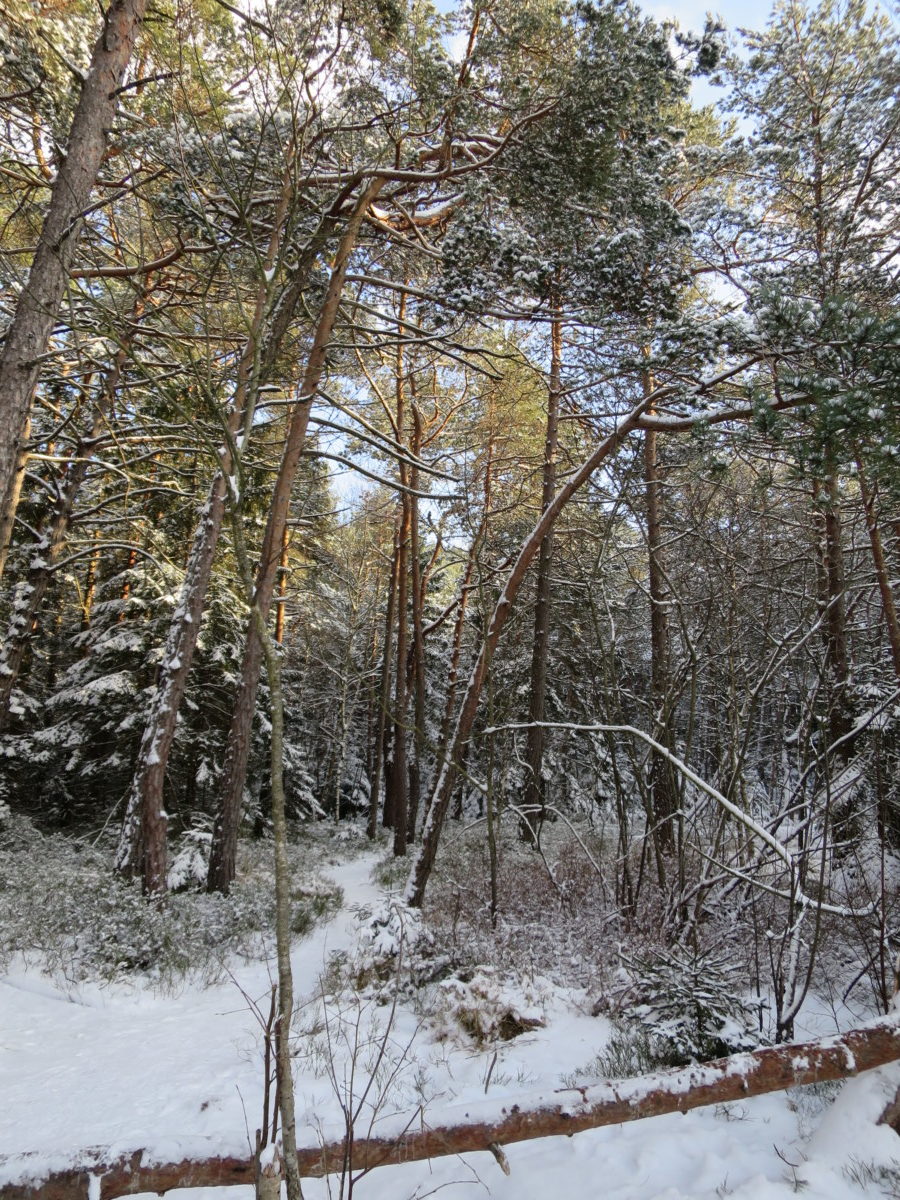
[663, 799]
[882, 571]
[225, 830]
[29, 334]
[399, 775]
[534, 800]
[384, 695]
[417, 589]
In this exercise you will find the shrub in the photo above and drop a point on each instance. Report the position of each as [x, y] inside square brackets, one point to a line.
[490, 1008]
[685, 1002]
[62, 907]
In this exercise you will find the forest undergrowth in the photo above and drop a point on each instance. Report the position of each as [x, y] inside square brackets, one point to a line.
[679, 982]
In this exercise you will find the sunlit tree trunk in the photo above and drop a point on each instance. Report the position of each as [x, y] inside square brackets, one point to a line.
[443, 788]
[32, 325]
[384, 694]
[225, 830]
[417, 588]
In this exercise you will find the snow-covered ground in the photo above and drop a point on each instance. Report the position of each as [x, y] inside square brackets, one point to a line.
[130, 1068]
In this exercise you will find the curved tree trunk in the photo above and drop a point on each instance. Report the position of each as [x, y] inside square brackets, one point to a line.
[443, 789]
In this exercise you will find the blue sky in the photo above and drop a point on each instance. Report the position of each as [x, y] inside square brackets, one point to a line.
[691, 16]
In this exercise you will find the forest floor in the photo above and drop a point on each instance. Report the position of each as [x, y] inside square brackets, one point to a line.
[180, 1072]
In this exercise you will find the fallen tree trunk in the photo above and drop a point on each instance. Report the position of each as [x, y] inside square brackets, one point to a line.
[485, 1125]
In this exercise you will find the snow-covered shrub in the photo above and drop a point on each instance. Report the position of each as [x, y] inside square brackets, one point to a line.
[391, 873]
[627, 1054]
[687, 1005]
[395, 954]
[62, 906]
[489, 1006]
[190, 861]
[556, 917]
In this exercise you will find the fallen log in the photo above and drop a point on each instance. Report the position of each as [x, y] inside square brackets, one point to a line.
[98, 1174]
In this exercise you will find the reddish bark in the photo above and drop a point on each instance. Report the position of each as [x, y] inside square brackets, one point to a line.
[29, 334]
[534, 800]
[480, 1126]
[224, 844]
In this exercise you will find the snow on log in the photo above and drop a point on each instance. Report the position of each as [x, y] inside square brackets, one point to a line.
[99, 1174]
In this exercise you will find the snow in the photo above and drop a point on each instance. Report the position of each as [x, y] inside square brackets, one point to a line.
[127, 1068]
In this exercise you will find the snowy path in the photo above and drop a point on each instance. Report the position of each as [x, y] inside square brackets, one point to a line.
[120, 1065]
[134, 1069]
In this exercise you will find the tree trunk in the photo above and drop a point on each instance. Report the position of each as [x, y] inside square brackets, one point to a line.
[833, 589]
[534, 800]
[384, 695]
[8, 513]
[487, 1125]
[225, 830]
[663, 799]
[29, 334]
[184, 629]
[282, 587]
[283, 1056]
[443, 789]
[284, 1066]
[882, 574]
[399, 777]
[465, 588]
[417, 587]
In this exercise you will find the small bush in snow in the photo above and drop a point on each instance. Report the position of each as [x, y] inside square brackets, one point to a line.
[627, 1054]
[490, 1008]
[396, 954]
[686, 1003]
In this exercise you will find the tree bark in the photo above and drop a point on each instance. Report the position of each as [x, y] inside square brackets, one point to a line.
[833, 601]
[384, 695]
[417, 588]
[282, 586]
[399, 776]
[29, 334]
[663, 793]
[443, 789]
[225, 830]
[159, 732]
[882, 573]
[489, 1124]
[283, 1057]
[531, 821]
